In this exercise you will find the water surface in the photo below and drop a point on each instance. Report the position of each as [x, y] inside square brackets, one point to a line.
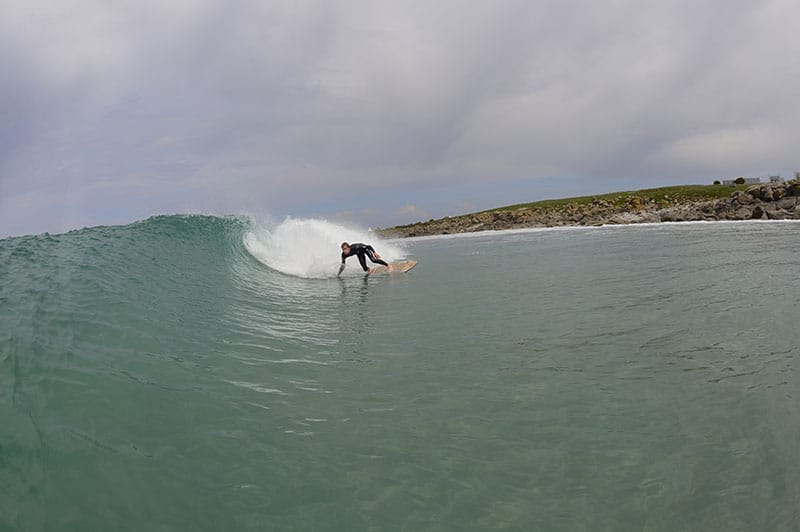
[162, 376]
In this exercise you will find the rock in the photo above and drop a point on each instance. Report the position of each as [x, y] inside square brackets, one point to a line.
[792, 188]
[634, 202]
[723, 208]
[758, 213]
[779, 214]
[623, 218]
[670, 215]
[743, 198]
[764, 192]
[754, 191]
[770, 210]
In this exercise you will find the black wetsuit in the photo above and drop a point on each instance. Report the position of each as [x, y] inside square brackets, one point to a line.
[362, 250]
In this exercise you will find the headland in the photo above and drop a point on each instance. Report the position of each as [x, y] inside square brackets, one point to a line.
[777, 200]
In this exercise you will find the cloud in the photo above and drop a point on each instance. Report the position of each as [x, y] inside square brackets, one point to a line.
[410, 210]
[745, 148]
[282, 105]
[405, 214]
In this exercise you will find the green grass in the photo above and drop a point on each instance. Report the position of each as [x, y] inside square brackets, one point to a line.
[673, 194]
[663, 196]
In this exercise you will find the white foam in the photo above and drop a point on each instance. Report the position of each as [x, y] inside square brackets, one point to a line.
[568, 228]
[310, 248]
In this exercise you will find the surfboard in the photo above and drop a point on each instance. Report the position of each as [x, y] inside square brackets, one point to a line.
[397, 267]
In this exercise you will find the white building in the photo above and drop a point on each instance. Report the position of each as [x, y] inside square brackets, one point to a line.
[747, 181]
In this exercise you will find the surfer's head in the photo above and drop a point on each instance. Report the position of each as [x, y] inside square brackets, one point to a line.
[345, 247]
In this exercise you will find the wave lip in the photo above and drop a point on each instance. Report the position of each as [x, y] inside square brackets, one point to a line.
[310, 248]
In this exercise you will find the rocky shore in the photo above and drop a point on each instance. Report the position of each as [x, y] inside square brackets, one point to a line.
[765, 201]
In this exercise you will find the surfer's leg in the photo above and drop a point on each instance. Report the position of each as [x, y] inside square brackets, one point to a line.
[363, 262]
[376, 260]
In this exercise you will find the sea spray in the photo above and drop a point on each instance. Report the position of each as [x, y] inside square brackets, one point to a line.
[310, 248]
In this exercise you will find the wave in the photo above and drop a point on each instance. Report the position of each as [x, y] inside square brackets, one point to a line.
[166, 248]
[310, 248]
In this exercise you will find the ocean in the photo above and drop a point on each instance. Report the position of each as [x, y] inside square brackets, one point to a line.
[211, 373]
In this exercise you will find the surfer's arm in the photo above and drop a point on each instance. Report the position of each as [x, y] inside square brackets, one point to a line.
[341, 268]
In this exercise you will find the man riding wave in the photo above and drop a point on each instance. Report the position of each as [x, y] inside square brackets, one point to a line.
[361, 251]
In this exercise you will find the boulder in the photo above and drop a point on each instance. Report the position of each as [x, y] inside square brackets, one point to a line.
[758, 213]
[792, 188]
[668, 216]
[742, 198]
[723, 208]
[634, 202]
[680, 214]
[753, 191]
[779, 214]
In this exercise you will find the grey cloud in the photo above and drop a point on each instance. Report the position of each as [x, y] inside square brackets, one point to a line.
[227, 106]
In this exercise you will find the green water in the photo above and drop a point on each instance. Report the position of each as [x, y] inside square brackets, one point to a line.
[158, 377]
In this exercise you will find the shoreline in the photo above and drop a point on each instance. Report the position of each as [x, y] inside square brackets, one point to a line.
[714, 203]
[613, 227]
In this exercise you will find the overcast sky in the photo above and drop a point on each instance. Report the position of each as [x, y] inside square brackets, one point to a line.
[383, 112]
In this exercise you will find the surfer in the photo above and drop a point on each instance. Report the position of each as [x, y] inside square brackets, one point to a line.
[362, 251]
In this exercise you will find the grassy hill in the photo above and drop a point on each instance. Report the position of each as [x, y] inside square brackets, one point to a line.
[662, 195]
[543, 212]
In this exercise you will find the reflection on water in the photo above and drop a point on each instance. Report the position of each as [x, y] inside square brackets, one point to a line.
[355, 319]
